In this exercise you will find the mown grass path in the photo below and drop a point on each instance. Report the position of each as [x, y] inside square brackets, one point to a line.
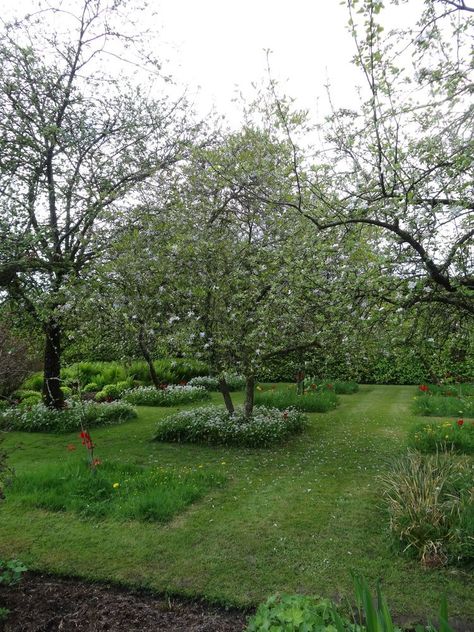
[294, 518]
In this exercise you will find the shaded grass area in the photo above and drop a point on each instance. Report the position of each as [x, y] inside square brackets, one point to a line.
[317, 401]
[115, 490]
[296, 518]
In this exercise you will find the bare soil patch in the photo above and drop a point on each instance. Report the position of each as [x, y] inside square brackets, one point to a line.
[42, 603]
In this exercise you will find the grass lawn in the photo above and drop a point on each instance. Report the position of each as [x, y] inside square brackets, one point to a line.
[295, 518]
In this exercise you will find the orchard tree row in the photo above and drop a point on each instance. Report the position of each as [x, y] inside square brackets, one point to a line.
[123, 215]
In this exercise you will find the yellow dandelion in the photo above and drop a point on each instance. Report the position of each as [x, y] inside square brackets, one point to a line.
[115, 485]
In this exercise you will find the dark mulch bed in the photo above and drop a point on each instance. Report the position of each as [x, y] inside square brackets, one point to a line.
[41, 603]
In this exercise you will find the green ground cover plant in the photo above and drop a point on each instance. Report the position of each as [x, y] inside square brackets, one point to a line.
[215, 426]
[283, 397]
[169, 396]
[429, 501]
[293, 518]
[300, 613]
[39, 418]
[116, 490]
[447, 435]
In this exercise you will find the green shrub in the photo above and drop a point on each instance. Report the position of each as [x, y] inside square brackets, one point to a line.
[214, 425]
[39, 418]
[453, 435]
[211, 383]
[11, 572]
[4, 404]
[92, 387]
[297, 613]
[429, 502]
[118, 491]
[31, 400]
[113, 391]
[23, 394]
[33, 383]
[67, 391]
[442, 406]
[311, 401]
[100, 374]
[169, 396]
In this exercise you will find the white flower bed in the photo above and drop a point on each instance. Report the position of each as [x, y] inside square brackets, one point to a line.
[170, 396]
[214, 425]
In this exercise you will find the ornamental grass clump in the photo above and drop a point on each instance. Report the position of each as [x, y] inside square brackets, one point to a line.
[429, 499]
[215, 426]
[457, 436]
[40, 418]
[310, 401]
[169, 395]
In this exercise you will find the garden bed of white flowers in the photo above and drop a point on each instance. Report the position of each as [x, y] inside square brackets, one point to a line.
[168, 396]
[214, 425]
[40, 418]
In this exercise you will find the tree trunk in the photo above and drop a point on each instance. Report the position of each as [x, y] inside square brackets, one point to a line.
[224, 389]
[148, 359]
[53, 396]
[249, 395]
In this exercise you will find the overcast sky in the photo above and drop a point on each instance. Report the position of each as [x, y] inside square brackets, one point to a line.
[216, 47]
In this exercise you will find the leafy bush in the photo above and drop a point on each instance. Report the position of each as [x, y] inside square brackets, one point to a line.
[33, 383]
[100, 374]
[113, 391]
[11, 572]
[211, 383]
[4, 403]
[311, 401]
[23, 394]
[39, 418]
[442, 406]
[297, 613]
[454, 435]
[32, 400]
[428, 498]
[91, 387]
[169, 396]
[118, 491]
[214, 425]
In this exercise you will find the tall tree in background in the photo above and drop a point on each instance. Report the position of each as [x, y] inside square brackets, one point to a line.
[75, 142]
[403, 162]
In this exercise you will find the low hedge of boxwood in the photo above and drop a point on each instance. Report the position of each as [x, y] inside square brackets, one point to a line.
[40, 418]
[215, 426]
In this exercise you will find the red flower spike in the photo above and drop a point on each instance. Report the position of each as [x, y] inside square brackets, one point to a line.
[460, 422]
[423, 388]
